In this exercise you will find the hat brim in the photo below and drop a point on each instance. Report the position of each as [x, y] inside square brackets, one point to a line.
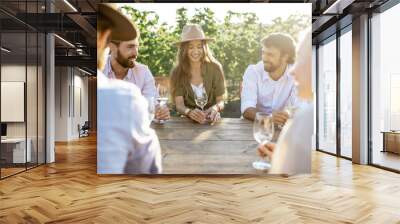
[123, 29]
[183, 41]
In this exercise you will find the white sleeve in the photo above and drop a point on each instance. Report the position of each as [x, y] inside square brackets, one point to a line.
[146, 154]
[113, 144]
[293, 97]
[149, 89]
[292, 154]
[125, 143]
[249, 89]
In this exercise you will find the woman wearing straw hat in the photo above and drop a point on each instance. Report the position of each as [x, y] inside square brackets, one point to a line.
[197, 75]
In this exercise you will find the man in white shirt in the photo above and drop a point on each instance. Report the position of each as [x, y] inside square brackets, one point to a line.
[125, 141]
[122, 64]
[292, 153]
[267, 86]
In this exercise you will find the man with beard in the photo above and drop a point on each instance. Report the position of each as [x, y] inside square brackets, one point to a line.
[267, 85]
[125, 141]
[122, 64]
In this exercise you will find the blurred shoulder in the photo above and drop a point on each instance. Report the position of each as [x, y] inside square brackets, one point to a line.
[120, 87]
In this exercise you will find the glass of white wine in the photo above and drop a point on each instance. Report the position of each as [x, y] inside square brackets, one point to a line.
[201, 99]
[162, 100]
[263, 131]
[151, 108]
[290, 109]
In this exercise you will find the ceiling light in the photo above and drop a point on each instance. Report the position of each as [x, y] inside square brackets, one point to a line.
[71, 6]
[86, 72]
[338, 6]
[64, 40]
[5, 49]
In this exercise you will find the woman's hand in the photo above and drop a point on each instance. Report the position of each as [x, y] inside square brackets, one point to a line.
[197, 115]
[213, 115]
[266, 150]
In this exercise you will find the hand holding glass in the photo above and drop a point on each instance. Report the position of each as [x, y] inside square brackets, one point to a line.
[201, 99]
[290, 109]
[263, 130]
[151, 108]
[162, 99]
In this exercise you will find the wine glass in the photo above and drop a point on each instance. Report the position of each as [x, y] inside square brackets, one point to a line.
[151, 108]
[263, 131]
[162, 99]
[290, 109]
[201, 99]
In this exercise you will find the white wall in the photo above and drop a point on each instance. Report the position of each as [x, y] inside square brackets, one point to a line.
[33, 127]
[71, 94]
[62, 80]
[12, 73]
[81, 100]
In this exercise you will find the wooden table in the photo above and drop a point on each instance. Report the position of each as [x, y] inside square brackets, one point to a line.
[228, 147]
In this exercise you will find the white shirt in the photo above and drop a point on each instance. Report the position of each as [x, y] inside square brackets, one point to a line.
[125, 141]
[140, 75]
[292, 154]
[198, 90]
[265, 94]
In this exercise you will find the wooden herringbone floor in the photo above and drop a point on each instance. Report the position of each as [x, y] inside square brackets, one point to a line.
[70, 191]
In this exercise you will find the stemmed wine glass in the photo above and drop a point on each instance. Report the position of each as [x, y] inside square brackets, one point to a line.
[151, 108]
[162, 99]
[290, 109]
[263, 131]
[201, 99]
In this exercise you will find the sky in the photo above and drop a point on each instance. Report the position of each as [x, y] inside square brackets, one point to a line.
[266, 12]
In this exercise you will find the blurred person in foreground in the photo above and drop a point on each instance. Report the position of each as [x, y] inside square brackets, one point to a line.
[292, 152]
[125, 141]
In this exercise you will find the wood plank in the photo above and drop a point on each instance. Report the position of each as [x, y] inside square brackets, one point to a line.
[209, 157]
[205, 134]
[190, 148]
[225, 123]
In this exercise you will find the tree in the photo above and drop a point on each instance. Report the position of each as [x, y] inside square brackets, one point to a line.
[156, 50]
[236, 44]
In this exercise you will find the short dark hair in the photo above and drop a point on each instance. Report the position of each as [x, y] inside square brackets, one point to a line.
[283, 42]
[115, 42]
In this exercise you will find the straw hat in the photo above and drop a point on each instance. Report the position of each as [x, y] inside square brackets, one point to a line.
[192, 32]
[123, 28]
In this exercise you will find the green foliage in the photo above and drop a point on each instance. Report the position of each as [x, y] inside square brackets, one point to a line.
[236, 45]
[157, 49]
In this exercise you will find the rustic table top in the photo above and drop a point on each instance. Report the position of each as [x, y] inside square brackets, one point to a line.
[227, 147]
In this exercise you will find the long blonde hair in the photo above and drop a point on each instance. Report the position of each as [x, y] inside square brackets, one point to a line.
[180, 74]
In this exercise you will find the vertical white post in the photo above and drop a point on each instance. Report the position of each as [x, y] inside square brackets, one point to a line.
[360, 90]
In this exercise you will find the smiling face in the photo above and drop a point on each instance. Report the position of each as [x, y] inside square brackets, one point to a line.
[195, 51]
[126, 52]
[273, 59]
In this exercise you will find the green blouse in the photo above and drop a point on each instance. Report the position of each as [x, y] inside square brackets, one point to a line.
[213, 82]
